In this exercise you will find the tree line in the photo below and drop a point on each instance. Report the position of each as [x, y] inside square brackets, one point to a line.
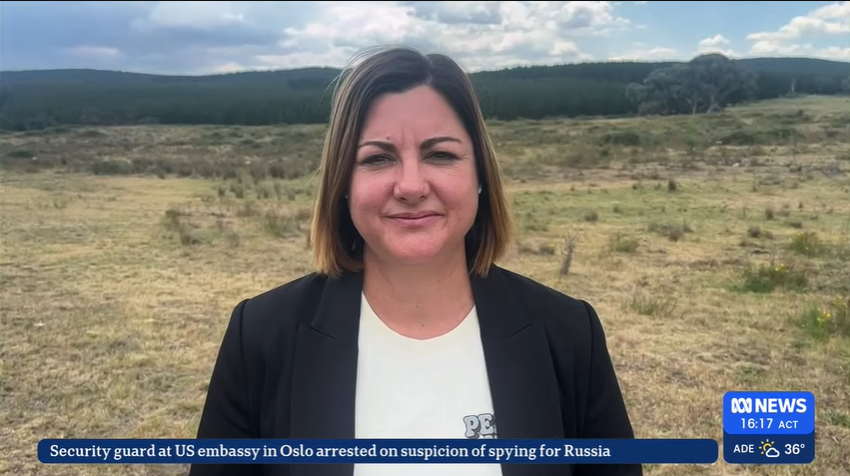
[41, 99]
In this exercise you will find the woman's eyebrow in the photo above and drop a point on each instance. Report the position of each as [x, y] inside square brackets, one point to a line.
[426, 144]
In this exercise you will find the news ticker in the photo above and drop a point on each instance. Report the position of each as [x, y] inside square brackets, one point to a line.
[758, 428]
[362, 451]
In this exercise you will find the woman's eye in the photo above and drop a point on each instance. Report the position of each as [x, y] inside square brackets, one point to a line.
[384, 159]
[375, 160]
[443, 156]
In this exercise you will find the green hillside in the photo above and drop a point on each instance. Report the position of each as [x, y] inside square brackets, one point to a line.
[40, 99]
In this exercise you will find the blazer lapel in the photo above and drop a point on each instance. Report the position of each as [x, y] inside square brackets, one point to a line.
[325, 372]
[520, 369]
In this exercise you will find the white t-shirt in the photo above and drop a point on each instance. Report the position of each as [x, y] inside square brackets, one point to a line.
[433, 388]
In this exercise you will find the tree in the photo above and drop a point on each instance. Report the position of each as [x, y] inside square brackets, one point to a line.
[706, 84]
[663, 91]
[720, 78]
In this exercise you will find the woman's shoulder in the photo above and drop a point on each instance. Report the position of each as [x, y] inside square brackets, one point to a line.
[298, 288]
[537, 295]
[283, 305]
[557, 311]
[572, 327]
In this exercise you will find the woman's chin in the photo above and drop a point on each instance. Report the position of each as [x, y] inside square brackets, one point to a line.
[413, 254]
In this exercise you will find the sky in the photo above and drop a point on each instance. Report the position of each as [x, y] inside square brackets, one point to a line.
[220, 37]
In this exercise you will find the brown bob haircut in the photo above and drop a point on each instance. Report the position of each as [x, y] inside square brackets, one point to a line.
[337, 245]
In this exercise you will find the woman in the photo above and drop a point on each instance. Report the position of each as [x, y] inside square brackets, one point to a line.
[407, 329]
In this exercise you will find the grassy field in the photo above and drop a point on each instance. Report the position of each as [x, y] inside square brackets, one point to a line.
[714, 249]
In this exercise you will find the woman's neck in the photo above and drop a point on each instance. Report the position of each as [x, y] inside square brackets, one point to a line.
[422, 301]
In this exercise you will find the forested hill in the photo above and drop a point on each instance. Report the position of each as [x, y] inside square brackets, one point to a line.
[39, 99]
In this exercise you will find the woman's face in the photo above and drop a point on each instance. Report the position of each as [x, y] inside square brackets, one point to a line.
[414, 189]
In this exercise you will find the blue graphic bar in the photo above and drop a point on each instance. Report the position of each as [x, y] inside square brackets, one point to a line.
[769, 449]
[433, 451]
[769, 413]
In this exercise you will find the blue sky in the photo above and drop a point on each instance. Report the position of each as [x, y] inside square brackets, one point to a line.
[214, 37]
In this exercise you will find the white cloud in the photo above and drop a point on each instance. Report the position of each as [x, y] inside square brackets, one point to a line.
[800, 27]
[458, 12]
[196, 14]
[777, 48]
[481, 35]
[823, 23]
[838, 11]
[715, 44]
[641, 3]
[95, 51]
[648, 54]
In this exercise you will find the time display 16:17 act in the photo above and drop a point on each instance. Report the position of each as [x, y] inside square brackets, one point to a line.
[767, 424]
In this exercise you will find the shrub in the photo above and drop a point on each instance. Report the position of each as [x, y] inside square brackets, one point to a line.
[21, 154]
[652, 306]
[628, 138]
[755, 231]
[111, 167]
[807, 244]
[768, 277]
[671, 231]
[279, 225]
[672, 185]
[620, 243]
[831, 319]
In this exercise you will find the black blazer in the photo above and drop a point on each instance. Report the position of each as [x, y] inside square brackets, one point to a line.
[288, 363]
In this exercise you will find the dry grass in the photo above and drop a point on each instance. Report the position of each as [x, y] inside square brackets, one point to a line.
[116, 290]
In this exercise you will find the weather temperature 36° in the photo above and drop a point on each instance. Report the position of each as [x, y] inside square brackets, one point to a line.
[794, 449]
[768, 449]
[763, 423]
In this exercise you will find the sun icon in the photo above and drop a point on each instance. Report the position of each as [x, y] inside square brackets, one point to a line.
[765, 446]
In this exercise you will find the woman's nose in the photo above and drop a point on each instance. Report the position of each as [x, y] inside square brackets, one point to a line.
[411, 185]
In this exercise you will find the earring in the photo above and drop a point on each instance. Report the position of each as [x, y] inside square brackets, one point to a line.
[479, 190]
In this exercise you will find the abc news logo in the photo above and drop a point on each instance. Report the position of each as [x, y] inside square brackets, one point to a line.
[768, 405]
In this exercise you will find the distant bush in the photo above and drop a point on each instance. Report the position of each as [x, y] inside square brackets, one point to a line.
[768, 277]
[111, 167]
[544, 249]
[620, 243]
[176, 221]
[808, 244]
[775, 136]
[92, 134]
[652, 305]
[827, 320]
[21, 154]
[673, 232]
[280, 225]
[629, 138]
[284, 225]
[755, 231]
[769, 213]
[740, 138]
[672, 185]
